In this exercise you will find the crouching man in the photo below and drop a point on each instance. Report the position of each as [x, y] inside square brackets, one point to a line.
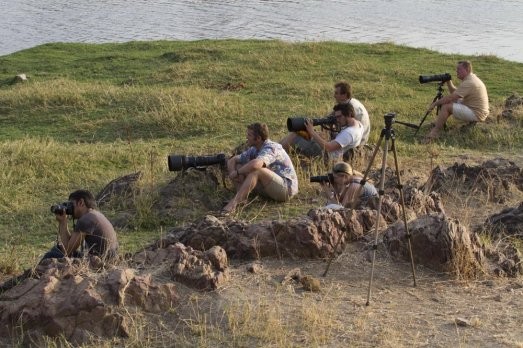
[91, 227]
[264, 167]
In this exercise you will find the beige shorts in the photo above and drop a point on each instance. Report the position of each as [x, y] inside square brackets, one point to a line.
[463, 113]
[276, 189]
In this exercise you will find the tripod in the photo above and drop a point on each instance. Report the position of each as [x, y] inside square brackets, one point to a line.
[438, 96]
[388, 134]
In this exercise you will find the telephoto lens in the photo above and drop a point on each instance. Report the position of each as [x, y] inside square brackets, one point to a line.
[432, 78]
[182, 162]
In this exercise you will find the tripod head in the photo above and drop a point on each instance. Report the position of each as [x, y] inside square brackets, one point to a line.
[390, 118]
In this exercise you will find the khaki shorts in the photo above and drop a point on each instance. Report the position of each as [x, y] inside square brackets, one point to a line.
[276, 189]
[463, 113]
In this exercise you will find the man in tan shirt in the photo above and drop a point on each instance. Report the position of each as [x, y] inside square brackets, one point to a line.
[468, 102]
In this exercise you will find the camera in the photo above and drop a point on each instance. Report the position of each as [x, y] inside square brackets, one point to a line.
[295, 124]
[68, 207]
[431, 78]
[323, 178]
[177, 162]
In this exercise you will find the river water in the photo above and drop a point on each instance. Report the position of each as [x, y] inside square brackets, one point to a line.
[474, 27]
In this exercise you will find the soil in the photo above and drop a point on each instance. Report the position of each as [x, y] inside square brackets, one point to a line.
[268, 308]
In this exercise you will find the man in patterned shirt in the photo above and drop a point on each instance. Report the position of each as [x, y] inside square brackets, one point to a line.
[264, 167]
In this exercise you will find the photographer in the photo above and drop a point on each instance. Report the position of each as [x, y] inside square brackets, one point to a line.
[345, 185]
[468, 102]
[310, 147]
[92, 227]
[264, 167]
[350, 136]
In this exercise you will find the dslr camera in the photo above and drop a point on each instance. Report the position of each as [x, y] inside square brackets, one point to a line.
[60, 208]
[177, 162]
[296, 124]
[432, 78]
[329, 178]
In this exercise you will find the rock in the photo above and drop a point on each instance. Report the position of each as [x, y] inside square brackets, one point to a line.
[310, 283]
[497, 178]
[312, 236]
[462, 322]
[121, 187]
[293, 275]
[439, 243]
[254, 267]
[201, 270]
[65, 299]
[508, 221]
[20, 78]
[513, 101]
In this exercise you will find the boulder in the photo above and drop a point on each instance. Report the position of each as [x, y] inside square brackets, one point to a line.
[438, 242]
[508, 221]
[20, 78]
[65, 299]
[201, 270]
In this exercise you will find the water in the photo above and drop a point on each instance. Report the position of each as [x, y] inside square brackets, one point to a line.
[472, 27]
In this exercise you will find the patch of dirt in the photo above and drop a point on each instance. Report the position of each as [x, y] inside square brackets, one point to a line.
[267, 308]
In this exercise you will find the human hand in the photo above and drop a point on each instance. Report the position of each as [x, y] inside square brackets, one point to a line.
[309, 126]
[61, 217]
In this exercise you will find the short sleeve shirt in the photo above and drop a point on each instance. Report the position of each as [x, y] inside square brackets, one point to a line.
[361, 114]
[276, 160]
[474, 95]
[348, 138]
[100, 236]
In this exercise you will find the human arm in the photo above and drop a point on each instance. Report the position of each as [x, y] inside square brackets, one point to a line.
[329, 146]
[448, 99]
[235, 170]
[330, 193]
[450, 86]
[69, 241]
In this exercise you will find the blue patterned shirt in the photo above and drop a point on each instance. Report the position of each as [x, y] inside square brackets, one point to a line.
[275, 159]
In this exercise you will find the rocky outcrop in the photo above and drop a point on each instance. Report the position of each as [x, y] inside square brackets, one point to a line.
[66, 299]
[439, 243]
[508, 221]
[205, 270]
[497, 178]
[311, 236]
[80, 298]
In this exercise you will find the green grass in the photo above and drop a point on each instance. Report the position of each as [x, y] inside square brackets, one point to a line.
[91, 113]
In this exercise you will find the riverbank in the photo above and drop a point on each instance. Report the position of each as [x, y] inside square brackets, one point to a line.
[122, 108]
[90, 113]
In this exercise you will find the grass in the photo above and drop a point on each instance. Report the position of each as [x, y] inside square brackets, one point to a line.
[91, 113]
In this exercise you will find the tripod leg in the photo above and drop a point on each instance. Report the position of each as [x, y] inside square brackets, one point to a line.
[437, 97]
[367, 171]
[400, 188]
[378, 215]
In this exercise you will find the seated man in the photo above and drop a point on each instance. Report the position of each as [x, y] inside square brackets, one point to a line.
[343, 95]
[92, 227]
[264, 167]
[348, 138]
[468, 102]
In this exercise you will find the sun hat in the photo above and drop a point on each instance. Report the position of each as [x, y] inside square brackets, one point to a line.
[342, 167]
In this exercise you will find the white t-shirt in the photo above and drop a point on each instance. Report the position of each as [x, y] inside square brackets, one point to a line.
[361, 114]
[348, 138]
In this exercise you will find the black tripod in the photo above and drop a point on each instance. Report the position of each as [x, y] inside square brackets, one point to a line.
[388, 134]
[438, 96]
